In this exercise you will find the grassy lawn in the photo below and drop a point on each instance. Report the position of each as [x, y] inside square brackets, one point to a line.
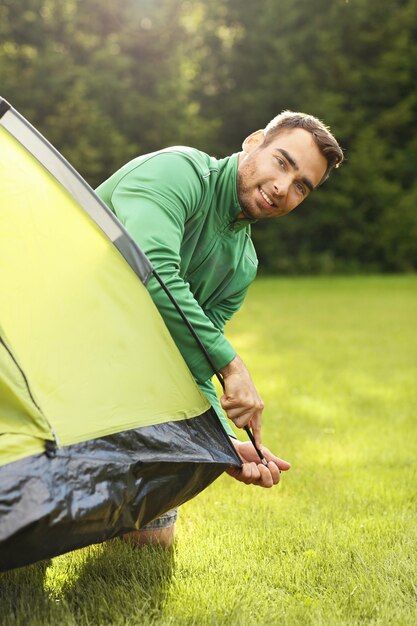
[335, 360]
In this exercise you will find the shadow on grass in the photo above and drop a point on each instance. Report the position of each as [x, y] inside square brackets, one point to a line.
[22, 594]
[121, 583]
[114, 583]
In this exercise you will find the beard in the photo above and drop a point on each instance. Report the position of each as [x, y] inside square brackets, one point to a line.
[244, 191]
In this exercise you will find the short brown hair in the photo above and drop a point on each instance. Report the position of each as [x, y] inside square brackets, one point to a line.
[324, 139]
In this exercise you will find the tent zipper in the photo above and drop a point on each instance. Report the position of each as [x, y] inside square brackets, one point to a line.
[51, 445]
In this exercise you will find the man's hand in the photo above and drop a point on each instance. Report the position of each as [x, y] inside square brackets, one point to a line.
[240, 400]
[253, 472]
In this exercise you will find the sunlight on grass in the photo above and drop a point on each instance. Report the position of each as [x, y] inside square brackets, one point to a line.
[335, 361]
[64, 571]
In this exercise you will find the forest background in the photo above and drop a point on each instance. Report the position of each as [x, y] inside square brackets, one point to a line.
[106, 80]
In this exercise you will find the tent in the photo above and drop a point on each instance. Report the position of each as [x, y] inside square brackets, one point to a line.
[102, 427]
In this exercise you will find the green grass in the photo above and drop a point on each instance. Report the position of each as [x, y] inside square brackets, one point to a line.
[335, 360]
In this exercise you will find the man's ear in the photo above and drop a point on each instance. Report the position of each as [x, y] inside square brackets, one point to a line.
[253, 141]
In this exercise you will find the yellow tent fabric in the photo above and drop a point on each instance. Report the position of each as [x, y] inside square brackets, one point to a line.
[97, 355]
[21, 422]
[102, 427]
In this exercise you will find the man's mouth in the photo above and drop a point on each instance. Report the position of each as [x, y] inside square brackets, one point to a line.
[266, 197]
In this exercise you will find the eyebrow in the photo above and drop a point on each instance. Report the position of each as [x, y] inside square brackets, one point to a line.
[294, 165]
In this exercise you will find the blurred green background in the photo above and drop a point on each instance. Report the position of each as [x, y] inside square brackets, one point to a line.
[106, 80]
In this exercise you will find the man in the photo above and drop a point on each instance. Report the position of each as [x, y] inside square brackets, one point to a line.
[191, 215]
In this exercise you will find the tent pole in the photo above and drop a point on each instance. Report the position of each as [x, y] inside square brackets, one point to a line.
[206, 354]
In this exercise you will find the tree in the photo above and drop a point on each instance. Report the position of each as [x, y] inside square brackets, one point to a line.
[105, 81]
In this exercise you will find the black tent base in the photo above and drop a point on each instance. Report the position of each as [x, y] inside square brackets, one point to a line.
[99, 489]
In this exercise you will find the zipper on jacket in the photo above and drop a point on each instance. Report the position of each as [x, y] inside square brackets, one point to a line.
[51, 446]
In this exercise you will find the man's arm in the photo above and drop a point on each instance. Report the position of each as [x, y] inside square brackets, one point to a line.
[252, 472]
[153, 201]
[241, 401]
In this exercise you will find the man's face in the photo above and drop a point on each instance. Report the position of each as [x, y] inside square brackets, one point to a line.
[273, 179]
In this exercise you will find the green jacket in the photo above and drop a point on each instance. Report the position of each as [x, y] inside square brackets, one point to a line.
[180, 206]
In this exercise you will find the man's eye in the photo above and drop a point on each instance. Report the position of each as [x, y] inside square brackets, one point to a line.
[300, 188]
[282, 163]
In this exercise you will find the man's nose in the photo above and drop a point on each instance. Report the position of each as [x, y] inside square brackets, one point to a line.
[281, 186]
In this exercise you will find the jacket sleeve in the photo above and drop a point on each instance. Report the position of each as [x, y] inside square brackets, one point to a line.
[154, 200]
[220, 313]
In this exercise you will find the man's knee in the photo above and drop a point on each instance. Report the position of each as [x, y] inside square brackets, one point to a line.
[161, 531]
[163, 537]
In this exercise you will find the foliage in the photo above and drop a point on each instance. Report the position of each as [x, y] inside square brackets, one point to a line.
[105, 81]
[335, 542]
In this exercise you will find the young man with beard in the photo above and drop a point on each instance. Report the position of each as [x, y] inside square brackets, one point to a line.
[191, 214]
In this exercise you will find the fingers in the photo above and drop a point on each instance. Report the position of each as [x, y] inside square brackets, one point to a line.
[283, 466]
[248, 454]
[274, 471]
[252, 472]
[269, 476]
[247, 474]
[256, 474]
[241, 411]
[241, 416]
[280, 463]
[239, 407]
[241, 400]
